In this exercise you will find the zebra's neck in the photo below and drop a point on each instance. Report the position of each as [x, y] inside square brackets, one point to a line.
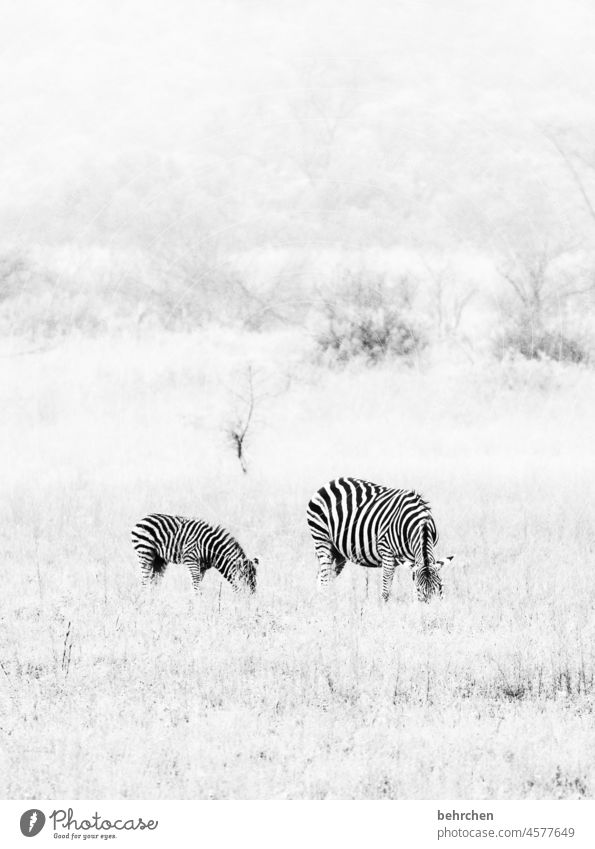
[226, 554]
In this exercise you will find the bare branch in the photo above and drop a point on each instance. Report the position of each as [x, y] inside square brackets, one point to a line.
[238, 431]
[573, 172]
[516, 286]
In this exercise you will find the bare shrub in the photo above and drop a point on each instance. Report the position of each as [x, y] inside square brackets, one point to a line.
[195, 283]
[535, 342]
[370, 321]
[237, 430]
[15, 273]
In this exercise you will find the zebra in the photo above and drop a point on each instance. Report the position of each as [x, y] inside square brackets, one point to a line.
[376, 526]
[159, 539]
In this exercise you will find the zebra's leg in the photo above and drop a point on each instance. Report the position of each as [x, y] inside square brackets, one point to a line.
[389, 564]
[326, 564]
[196, 572]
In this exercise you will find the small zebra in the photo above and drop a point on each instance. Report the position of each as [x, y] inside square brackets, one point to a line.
[159, 539]
[375, 526]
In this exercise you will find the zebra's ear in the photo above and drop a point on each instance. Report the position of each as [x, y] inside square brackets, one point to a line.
[255, 561]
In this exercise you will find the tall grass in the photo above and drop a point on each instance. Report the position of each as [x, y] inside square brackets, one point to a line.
[107, 691]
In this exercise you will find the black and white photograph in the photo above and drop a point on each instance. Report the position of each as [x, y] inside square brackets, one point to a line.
[297, 403]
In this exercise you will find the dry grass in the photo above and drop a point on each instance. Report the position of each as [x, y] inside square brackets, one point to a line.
[110, 692]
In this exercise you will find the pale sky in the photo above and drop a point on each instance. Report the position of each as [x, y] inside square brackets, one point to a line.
[85, 85]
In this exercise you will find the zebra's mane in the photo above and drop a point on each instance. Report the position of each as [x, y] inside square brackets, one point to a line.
[222, 533]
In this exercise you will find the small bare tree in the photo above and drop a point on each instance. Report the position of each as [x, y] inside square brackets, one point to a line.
[449, 299]
[237, 430]
[258, 387]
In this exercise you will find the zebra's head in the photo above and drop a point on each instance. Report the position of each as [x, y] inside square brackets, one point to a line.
[245, 575]
[427, 578]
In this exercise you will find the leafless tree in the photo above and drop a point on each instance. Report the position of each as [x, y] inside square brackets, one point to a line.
[540, 284]
[569, 159]
[540, 316]
[449, 300]
[237, 430]
[329, 99]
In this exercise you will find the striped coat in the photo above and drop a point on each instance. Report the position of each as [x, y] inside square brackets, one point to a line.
[159, 539]
[374, 526]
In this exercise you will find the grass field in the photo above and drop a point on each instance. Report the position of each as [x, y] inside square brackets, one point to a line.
[110, 692]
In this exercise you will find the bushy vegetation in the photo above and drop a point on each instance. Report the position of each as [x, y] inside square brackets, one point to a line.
[547, 296]
[242, 213]
[534, 343]
[370, 320]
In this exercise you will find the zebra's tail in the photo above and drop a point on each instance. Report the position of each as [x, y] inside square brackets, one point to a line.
[427, 546]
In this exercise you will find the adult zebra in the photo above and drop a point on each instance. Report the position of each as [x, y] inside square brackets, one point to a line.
[376, 526]
[160, 539]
